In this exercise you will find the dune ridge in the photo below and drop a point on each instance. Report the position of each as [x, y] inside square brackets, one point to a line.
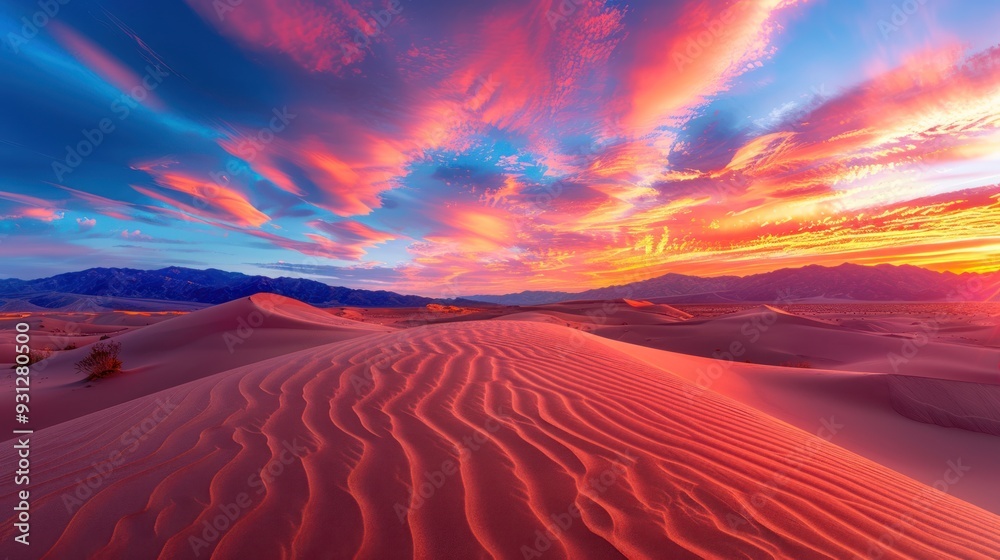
[505, 431]
[768, 335]
[952, 404]
[901, 436]
[183, 348]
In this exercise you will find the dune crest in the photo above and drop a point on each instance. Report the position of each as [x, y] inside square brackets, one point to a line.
[661, 308]
[952, 404]
[188, 347]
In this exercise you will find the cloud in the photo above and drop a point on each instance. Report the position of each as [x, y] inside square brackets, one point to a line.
[135, 235]
[105, 65]
[320, 36]
[884, 137]
[708, 43]
[204, 197]
[317, 246]
[86, 224]
[378, 277]
[30, 207]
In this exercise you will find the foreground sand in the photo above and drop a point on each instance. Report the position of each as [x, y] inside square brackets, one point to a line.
[171, 352]
[520, 440]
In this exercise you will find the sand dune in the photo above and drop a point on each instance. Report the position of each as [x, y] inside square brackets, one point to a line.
[184, 348]
[58, 331]
[618, 311]
[767, 335]
[506, 431]
[57, 302]
[582, 315]
[953, 404]
[905, 423]
[658, 308]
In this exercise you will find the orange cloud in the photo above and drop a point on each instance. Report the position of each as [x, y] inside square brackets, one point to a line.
[207, 199]
[708, 44]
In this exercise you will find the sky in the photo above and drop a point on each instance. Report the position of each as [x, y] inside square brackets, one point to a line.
[455, 148]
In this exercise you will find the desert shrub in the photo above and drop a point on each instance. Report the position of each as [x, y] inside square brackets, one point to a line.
[105, 337]
[102, 360]
[34, 357]
[71, 346]
[800, 364]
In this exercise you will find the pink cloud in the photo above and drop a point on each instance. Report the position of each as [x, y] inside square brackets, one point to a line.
[136, 235]
[205, 198]
[106, 65]
[31, 207]
[319, 36]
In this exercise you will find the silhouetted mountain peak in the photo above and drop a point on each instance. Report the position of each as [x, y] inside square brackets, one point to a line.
[844, 282]
[209, 286]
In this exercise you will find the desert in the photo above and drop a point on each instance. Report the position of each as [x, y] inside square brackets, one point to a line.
[538, 432]
[499, 279]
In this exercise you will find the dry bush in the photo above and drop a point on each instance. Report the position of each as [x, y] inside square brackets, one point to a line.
[102, 360]
[34, 357]
[800, 364]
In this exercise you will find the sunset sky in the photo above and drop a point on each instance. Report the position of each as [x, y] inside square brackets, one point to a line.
[495, 146]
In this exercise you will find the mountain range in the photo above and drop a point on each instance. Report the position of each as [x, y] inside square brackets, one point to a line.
[125, 288]
[850, 282]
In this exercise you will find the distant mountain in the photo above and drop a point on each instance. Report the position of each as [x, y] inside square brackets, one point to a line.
[107, 287]
[849, 282]
[125, 288]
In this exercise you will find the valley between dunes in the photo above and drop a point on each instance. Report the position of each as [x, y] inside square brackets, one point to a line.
[320, 436]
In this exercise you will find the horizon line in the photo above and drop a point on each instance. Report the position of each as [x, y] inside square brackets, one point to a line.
[317, 278]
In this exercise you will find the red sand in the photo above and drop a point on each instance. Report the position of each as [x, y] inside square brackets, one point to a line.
[185, 348]
[775, 337]
[528, 420]
[896, 421]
